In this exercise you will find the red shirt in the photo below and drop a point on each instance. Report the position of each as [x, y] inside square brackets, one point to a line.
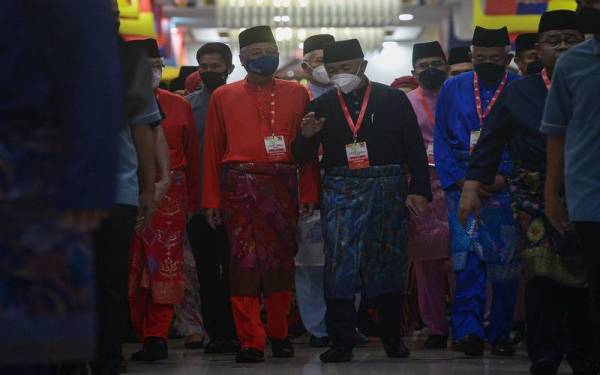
[237, 123]
[184, 146]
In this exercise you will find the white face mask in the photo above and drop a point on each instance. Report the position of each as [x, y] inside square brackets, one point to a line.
[320, 75]
[156, 77]
[347, 82]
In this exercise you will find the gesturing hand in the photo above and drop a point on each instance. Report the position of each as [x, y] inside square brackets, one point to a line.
[469, 201]
[310, 125]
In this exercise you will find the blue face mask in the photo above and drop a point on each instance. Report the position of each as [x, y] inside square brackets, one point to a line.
[263, 66]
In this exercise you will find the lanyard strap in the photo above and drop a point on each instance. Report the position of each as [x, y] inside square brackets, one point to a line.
[482, 115]
[359, 121]
[546, 78]
[426, 107]
[271, 117]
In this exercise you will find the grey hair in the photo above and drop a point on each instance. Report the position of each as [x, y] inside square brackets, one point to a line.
[507, 49]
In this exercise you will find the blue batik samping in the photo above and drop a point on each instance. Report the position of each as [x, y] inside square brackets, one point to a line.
[365, 231]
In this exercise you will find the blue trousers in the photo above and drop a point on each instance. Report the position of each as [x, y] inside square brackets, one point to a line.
[311, 299]
[468, 308]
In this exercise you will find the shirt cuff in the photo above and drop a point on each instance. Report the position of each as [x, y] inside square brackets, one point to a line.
[553, 129]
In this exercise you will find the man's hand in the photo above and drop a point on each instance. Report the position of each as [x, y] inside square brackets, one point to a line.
[213, 217]
[310, 125]
[416, 204]
[160, 189]
[499, 184]
[469, 201]
[307, 209]
[83, 221]
[557, 213]
[146, 208]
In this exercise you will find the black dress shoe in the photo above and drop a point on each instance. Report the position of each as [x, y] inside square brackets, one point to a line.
[154, 349]
[581, 365]
[360, 339]
[458, 346]
[472, 345]
[504, 349]
[319, 342]
[436, 342]
[544, 367]
[337, 355]
[250, 355]
[282, 348]
[395, 348]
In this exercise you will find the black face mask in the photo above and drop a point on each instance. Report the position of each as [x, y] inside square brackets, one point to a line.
[534, 67]
[212, 80]
[432, 79]
[588, 20]
[490, 72]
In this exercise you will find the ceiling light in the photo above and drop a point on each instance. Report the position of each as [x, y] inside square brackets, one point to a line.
[406, 17]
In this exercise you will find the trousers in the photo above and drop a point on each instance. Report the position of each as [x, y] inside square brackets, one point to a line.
[468, 308]
[246, 313]
[432, 288]
[311, 299]
[211, 253]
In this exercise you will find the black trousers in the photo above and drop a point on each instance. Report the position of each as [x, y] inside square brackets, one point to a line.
[112, 242]
[558, 323]
[211, 252]
[341, 319]
[587, 234]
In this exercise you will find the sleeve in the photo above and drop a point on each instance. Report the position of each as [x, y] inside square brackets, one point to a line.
[446, 164]
[488, 153]
[152, 115]
[310, 176]
[558, 110]
[305, 149]
[191, 145]
[214, 148]
[87, 94]
[414, 146]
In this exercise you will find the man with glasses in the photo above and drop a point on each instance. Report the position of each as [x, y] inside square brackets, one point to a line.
[483, 251]
[428, 245]
[572, 123]
[526, 55]
[557, 316]
[251, 185]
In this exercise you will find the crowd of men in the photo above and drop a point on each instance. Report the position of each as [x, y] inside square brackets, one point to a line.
[471, 173]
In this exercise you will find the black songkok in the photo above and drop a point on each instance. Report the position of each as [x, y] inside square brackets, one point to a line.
[317, 42]
[525, 42]
[257, 34]
[342, 51]
[459, 55]
[149, 46]
[558, 20]
[491, 37]
[424, 50]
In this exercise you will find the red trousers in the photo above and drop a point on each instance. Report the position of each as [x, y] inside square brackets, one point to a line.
[246, 313]
[149, 319]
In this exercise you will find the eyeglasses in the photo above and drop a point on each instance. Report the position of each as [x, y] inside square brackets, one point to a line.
[556, 40]
[434, 65]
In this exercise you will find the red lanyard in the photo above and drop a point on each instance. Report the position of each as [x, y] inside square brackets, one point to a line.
[359, 121]
[482, 115]
[426, 106]
[546, 78]
[272, 108]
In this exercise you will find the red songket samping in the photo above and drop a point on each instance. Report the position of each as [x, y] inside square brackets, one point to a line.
[156, 280]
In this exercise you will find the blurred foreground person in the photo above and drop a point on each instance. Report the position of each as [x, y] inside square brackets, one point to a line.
[60, 115]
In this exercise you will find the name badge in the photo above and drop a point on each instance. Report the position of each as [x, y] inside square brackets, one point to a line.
[473, 141]
[358, 156]
[275, 145]
[430, 159]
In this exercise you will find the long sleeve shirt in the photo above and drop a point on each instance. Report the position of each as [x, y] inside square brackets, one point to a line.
[514, 123]
[182, 138]
[237, 123]
[390, 130]
[456, 117]
[70, 69]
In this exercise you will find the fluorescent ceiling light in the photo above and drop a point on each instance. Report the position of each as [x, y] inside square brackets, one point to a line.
[406, 17]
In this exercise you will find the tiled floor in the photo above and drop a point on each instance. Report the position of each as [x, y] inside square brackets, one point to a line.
[368, 361]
